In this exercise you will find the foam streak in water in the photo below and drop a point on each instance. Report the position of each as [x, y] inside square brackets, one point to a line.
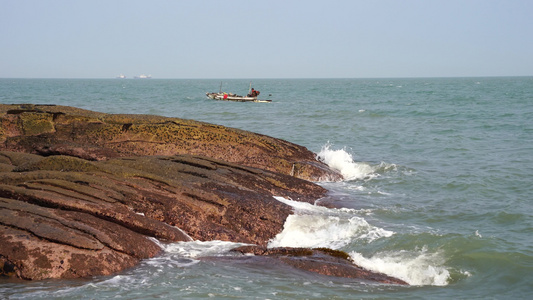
[198, 248]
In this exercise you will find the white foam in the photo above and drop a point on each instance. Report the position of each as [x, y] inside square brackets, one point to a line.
[315, 226]
[343, 162]
[414, 267]
[185, 254]
[198, 248]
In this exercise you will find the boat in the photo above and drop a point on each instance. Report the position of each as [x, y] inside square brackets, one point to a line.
[142, 76]
[121, 76]
[251, 97]
[233, 97]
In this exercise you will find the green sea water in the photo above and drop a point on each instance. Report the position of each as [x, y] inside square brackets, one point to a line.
[437, 191]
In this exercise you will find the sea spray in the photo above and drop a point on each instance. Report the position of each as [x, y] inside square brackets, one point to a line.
[417, 267]
[316, 226]
[343, 162]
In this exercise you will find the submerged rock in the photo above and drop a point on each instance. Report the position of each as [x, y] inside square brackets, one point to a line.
[322, 261]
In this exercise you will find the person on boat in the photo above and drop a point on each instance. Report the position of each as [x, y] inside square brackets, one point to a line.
[253, 93]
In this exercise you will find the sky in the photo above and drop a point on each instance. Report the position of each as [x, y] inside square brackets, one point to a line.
[265, 39]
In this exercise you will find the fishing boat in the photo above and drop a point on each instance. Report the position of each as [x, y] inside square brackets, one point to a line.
[233, 97]
[251, 97]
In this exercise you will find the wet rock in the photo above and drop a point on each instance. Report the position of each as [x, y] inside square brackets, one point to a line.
[323, 261]
[63, 216]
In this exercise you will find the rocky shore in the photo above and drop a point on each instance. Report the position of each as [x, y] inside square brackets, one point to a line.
[84, 193]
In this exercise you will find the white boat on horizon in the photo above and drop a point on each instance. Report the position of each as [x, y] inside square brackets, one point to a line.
[142, 76]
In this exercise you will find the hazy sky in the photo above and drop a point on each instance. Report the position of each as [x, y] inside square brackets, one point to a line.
[265, 39]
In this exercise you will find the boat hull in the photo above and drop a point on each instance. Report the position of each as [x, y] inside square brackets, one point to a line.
[233, 97]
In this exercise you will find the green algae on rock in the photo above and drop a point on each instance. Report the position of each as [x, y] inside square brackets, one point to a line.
[53, 130]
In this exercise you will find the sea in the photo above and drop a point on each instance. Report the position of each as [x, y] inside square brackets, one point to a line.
[438, 187]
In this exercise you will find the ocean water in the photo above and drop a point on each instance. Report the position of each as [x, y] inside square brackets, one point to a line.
[437, 190]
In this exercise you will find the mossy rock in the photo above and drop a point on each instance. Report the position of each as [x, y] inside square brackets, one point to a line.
[334, 253]
[34, 123]
[54, 130]
[18, 158]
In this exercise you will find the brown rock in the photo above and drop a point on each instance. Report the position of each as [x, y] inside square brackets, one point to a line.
[53, 130]
[323, 261]
[63, 216]
[82, 192]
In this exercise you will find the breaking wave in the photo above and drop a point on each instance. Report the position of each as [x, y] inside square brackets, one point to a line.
[342, 161]
[415, 267]
[314, 226]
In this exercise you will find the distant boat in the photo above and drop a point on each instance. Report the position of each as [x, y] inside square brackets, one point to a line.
[121, 76]
[142, 76]
[251, 97]
[233, 97]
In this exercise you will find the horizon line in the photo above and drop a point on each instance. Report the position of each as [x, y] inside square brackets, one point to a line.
[265, 78]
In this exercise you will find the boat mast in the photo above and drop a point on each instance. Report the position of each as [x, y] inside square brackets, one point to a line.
[220, 90]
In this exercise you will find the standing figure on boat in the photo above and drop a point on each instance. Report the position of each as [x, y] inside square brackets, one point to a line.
[254, 93]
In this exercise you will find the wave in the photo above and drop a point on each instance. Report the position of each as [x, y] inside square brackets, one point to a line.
[342, 161]
[415, 267]
[315, 226]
